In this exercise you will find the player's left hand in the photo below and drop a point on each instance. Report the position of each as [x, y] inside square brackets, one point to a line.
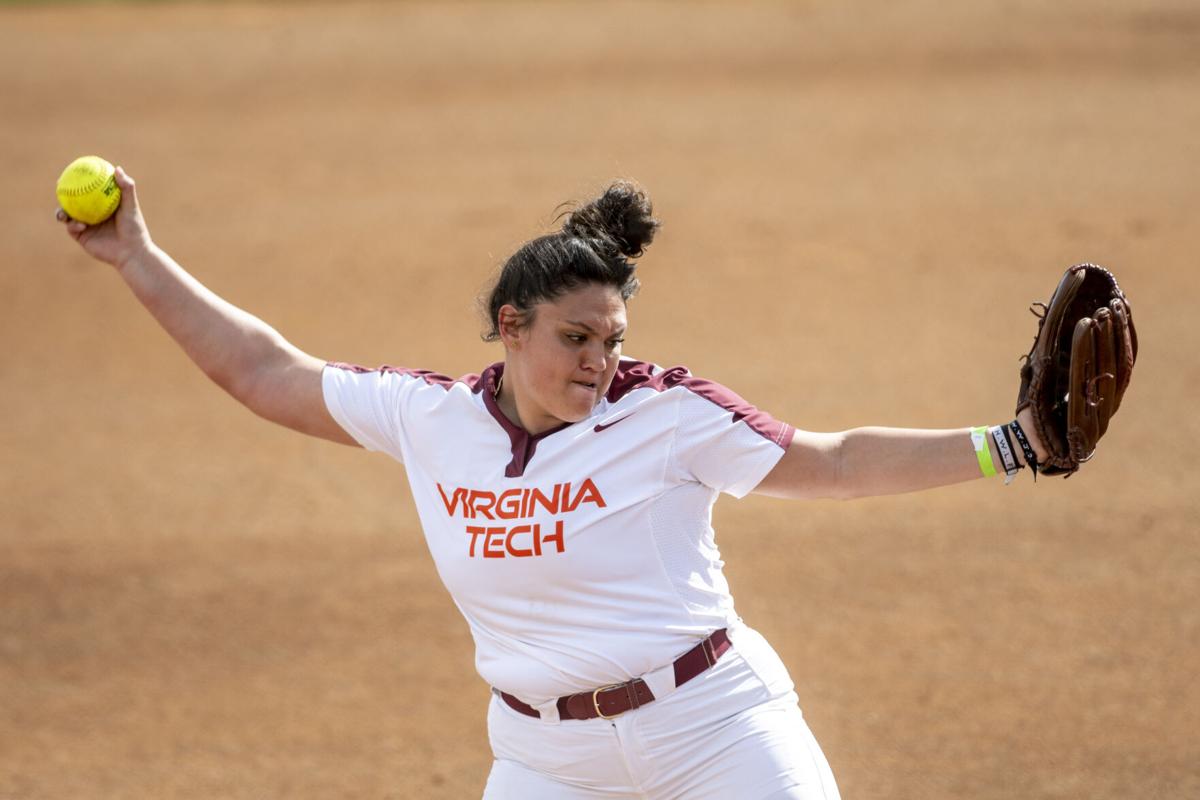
[1078, 368]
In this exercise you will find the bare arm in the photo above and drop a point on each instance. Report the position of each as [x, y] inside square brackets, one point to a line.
[866, 462]
[238, 351]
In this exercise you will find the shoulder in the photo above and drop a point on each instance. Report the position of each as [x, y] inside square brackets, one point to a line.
[703, 396]
[633, 375]
[387, 390]
[474, 383]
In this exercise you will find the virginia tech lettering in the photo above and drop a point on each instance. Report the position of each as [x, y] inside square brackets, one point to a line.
[521, 540]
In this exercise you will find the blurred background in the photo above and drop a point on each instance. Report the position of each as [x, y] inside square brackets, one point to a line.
[859, 201]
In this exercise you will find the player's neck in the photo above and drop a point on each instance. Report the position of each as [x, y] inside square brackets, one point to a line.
[518, 412]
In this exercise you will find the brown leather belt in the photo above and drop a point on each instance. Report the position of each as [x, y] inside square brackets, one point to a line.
[612, 701]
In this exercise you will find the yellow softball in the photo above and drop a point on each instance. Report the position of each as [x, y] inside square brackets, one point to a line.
[87, 190]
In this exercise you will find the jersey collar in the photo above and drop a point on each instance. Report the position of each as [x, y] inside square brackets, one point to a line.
[523, 444]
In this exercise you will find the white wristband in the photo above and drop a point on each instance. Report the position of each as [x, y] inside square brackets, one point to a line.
[1004, 448]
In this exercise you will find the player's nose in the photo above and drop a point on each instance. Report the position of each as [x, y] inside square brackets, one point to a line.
[592, 358]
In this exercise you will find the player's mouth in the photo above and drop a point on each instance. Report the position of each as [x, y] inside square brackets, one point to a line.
[591, 387]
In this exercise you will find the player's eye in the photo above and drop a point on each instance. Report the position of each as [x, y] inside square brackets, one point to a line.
[577, 338]
[613, 344]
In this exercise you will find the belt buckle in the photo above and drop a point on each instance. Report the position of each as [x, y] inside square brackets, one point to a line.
[596, 701]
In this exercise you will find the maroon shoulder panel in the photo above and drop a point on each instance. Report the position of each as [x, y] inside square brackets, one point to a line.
[640, 375]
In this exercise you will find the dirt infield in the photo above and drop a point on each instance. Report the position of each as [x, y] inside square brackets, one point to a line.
[859, 201]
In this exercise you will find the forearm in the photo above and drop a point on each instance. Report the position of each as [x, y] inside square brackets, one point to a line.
[227, 343]
[878, 461]
[865, 462]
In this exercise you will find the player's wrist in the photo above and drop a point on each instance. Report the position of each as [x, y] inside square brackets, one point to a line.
[137, 255]
[997, 451]
[135, 252]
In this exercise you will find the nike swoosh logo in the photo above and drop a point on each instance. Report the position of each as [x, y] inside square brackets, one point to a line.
[607, 425]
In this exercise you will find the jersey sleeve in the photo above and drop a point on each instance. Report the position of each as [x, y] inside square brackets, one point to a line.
[369, 404]
[724, 442]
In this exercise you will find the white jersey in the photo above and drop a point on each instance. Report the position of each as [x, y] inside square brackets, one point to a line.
[585, 555]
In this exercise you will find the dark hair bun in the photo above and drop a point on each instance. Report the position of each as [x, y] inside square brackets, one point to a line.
[620, 220]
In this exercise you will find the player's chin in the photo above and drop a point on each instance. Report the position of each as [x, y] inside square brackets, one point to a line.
[582, 398]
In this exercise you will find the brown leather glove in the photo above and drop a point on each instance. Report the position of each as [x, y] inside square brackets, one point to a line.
[1078, 368]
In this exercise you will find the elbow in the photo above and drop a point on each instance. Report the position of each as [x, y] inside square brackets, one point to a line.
[848, 494]
[825, 473]
[240, 386]
[249, 385]
[250, 378]
[818, 466]
[843, 493]
[842, 484]
[228, 380]
[257, 389]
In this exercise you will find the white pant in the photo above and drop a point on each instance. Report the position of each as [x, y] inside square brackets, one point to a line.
[735, 732]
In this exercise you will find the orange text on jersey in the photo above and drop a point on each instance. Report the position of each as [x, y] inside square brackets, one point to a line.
[517, 541]
[519, 503]
[499, 541]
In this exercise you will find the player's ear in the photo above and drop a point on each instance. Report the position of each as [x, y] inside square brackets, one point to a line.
[511, 324]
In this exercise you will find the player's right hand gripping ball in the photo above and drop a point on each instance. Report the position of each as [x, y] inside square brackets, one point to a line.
[1079, 366]
[87, 190]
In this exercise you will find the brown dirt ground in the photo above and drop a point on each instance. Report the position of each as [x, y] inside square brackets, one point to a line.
[860, 199]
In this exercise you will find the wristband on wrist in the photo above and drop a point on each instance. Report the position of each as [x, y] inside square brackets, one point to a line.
[983, 452]
[1004, 447]
[1030, 456]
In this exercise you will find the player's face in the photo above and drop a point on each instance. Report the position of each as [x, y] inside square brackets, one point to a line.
[561, 363]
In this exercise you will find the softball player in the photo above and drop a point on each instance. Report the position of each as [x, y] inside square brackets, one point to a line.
[566, 495]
